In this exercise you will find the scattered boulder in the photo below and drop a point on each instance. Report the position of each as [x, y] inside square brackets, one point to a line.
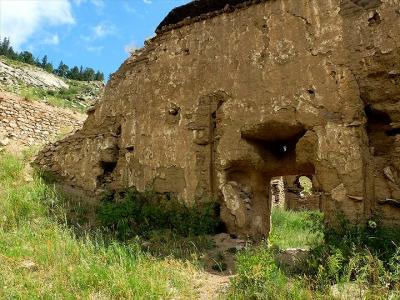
[292, 260]
[349, 291]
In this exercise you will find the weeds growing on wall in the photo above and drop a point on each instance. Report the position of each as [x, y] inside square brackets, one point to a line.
[133, 213]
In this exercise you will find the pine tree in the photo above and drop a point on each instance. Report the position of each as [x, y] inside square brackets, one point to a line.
[44, 62]
[49, 67]
[88, 74]
[5, 47]
[26, 57]
[62, 70]
[81, 73]
[74, 73]
[99, 76]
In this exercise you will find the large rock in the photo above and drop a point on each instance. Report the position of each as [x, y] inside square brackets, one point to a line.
[220, 102]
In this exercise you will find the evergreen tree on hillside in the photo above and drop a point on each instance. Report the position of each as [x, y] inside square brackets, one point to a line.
[81, 73]
[38, 63]
[49, 67]
[46, 65]
[87, 74]
[6, 49]
[99, 76]
[62, 70]
[74, 73]
[26, 57]
[44, 61]
[5, 46]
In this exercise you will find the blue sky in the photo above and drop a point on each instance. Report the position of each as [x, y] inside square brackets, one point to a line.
[92, 33]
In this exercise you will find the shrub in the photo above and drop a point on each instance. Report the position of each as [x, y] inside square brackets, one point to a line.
[368, 255]
[136, 213]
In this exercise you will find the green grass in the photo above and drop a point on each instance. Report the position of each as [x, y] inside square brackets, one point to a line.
[68, 262]
[292, 229]
[66, 98]
[259, 277]
[131, 213]
[12, 62]
[68, 267]
[365, 258]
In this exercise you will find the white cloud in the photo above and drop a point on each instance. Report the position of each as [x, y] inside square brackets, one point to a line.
[129, 8]
[147, 1]
[52, 40]
[99, 31]
[102, 30]
[20, 19]
[98, 3]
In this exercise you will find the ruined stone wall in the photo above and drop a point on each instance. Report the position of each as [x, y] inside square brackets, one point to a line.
[214, 109]
[30, 122]
[295, 197]
[277, 193]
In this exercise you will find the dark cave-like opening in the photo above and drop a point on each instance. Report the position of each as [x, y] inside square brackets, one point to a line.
[379, 130]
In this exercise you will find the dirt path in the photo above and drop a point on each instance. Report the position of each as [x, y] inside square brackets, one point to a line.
[213, 286]
[219, 267]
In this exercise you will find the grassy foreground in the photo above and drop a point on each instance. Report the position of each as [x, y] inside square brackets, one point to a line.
[41, 258]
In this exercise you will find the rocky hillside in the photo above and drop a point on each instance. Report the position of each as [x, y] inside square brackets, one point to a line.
[34, 83]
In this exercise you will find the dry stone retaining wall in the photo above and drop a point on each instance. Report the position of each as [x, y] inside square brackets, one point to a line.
[32, 122]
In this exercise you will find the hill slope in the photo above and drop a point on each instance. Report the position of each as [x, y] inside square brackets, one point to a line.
[34, 83]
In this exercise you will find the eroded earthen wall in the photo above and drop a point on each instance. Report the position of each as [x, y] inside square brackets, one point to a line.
[297, 198]
[212, 110]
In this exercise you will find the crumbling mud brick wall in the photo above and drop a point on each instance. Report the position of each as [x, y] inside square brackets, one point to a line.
[29, 122]
[277, 193]
[297, 199]
[218, 103]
